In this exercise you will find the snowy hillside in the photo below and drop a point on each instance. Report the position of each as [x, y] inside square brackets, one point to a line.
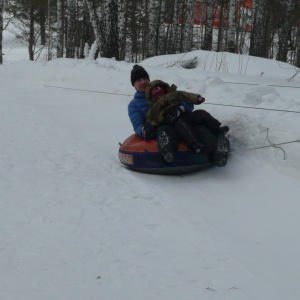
[75, 224]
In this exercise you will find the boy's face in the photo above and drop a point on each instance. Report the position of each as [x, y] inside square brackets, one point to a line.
[141, 84]
[157, 91]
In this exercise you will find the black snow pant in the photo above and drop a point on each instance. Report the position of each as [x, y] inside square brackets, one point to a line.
[202, 117]
[192, 127]
[208, 139]
[173, 137]
[199, 126]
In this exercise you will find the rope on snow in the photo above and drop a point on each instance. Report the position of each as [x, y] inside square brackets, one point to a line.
[271, 145]
[81, 90]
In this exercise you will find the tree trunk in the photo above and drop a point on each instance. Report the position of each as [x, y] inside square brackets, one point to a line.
[220, 27]
[31, 31]
[259, 37]
[85, 34]
[161, 43]
[285, 30]
[122, 26]
[111, 46]
[60, 29]
[231, 45]
[156, 32]
[189, 25]
[70, 45]
[42, 19]
[151, 41]
[1, 28]
[210, 15]
[173, 30]
[96, 24]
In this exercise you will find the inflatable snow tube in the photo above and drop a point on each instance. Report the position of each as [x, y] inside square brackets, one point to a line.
[144, 156]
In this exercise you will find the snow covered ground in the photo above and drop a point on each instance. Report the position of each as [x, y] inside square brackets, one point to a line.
[75, 224]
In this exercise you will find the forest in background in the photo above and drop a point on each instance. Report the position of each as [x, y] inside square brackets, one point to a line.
[136, 30]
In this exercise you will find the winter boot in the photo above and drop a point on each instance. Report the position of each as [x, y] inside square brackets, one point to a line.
[198, 148]
[165, 147]
[222, 151]
[223, 130]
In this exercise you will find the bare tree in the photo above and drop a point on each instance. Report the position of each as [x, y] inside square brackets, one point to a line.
[31, 44]
[210, 15]
[110, 35]
[258, 42]
[26, 19]
[70, 44]
[161, 27]
[231, 44]
[188, 25]
[41, 8]
[85, 31]
[96, 24]
[122, 26]
[60, 29]
[152, 23]
[173, 30]
[285, 30]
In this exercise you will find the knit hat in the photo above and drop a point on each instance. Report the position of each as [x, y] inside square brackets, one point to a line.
[138, 72]
[157, 91]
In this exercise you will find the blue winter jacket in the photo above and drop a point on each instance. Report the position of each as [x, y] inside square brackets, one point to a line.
[138, 108]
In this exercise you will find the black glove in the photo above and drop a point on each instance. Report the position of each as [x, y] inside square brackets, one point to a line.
[149, 131]
[173, 113]
[200, 100]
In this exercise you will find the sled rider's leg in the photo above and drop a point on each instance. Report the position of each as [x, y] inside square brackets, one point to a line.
[186, 132]
[167, 142]
[222, 150]
[202, 117]
[208, 139]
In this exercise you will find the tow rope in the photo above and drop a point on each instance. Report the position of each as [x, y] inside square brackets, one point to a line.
[208, 103]
[274, 145]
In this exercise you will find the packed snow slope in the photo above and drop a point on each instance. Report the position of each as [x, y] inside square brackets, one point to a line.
[75, 224]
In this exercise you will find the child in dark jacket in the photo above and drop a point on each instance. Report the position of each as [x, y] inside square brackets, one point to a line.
[164, 100]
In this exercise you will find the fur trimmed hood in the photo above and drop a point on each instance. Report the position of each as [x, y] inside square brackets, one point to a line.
[156, 83]
[158, 106]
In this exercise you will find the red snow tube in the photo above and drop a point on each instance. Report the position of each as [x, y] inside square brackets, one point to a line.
[144, 156]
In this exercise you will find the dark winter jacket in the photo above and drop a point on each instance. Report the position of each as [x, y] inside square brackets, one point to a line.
[172, 98]
[138, 109]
